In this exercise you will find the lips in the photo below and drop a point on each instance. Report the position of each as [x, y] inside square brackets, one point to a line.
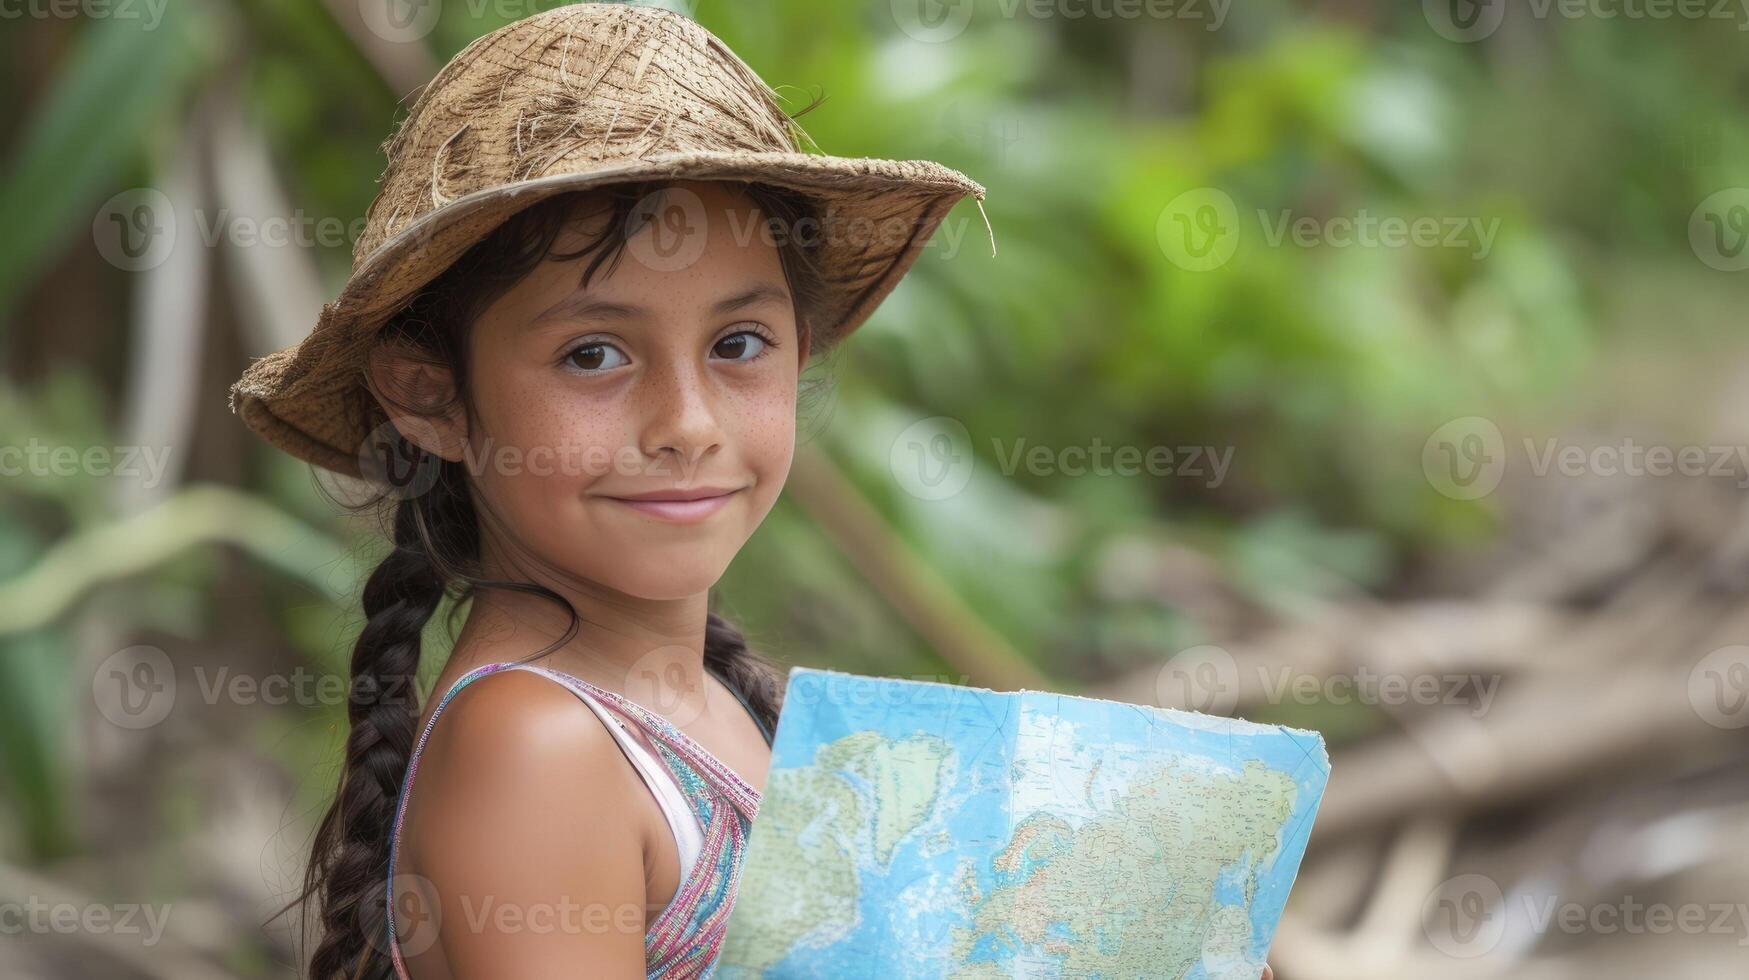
[679, 506]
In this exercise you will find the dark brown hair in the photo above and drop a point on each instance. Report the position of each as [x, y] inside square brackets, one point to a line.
[436, 551]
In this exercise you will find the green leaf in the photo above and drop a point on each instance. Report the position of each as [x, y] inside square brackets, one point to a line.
[33, 706]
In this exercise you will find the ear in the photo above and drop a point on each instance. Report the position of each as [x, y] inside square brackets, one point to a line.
[804, 343]
[418, 394]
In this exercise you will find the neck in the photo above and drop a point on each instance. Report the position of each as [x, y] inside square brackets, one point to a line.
[650, 650]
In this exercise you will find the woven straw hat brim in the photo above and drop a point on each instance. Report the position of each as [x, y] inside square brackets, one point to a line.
[310, 399]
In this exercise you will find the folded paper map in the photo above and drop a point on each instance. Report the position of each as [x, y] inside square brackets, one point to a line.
[916, 829]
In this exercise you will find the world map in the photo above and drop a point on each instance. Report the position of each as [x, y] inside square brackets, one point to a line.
[919, 829]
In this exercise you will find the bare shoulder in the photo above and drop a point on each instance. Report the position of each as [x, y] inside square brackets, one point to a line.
[515, 722]
[518, 825]
[515, 746]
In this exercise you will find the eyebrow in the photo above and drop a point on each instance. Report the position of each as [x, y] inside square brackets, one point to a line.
[579, 306]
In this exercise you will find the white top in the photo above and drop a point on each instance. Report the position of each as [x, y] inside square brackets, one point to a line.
[688, 835]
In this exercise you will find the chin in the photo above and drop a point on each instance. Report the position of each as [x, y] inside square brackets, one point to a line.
[650, 576]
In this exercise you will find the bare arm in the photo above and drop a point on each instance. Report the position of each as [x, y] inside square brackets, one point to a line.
[520, 826]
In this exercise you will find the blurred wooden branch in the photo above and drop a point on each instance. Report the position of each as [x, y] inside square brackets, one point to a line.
[914, 590]
[405, 65]
[277, 289]
[1593, 629]
[169, 327]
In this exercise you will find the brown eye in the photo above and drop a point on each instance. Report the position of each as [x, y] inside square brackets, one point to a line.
[743, 346]
[595, 357]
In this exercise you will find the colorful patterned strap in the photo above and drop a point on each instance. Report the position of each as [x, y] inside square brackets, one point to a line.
[685, 939]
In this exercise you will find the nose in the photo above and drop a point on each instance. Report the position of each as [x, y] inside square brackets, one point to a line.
[682, 420]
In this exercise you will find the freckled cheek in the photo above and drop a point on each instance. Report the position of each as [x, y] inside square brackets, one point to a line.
[564, 441]
[766, 426]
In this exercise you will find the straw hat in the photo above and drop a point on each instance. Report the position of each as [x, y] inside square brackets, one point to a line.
[571, 98]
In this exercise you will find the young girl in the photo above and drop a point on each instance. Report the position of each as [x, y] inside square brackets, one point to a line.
[570, 348]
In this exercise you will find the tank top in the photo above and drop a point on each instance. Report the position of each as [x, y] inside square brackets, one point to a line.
[708, 808]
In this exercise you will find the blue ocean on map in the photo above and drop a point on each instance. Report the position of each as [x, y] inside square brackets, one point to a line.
[921, 829]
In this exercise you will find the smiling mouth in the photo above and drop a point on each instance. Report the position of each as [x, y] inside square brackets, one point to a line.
[678, 511]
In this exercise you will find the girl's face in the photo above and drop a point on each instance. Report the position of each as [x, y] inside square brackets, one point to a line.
[672, 376]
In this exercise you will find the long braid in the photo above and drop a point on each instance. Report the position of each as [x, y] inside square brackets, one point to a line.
[399, 599]
[749, 673]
